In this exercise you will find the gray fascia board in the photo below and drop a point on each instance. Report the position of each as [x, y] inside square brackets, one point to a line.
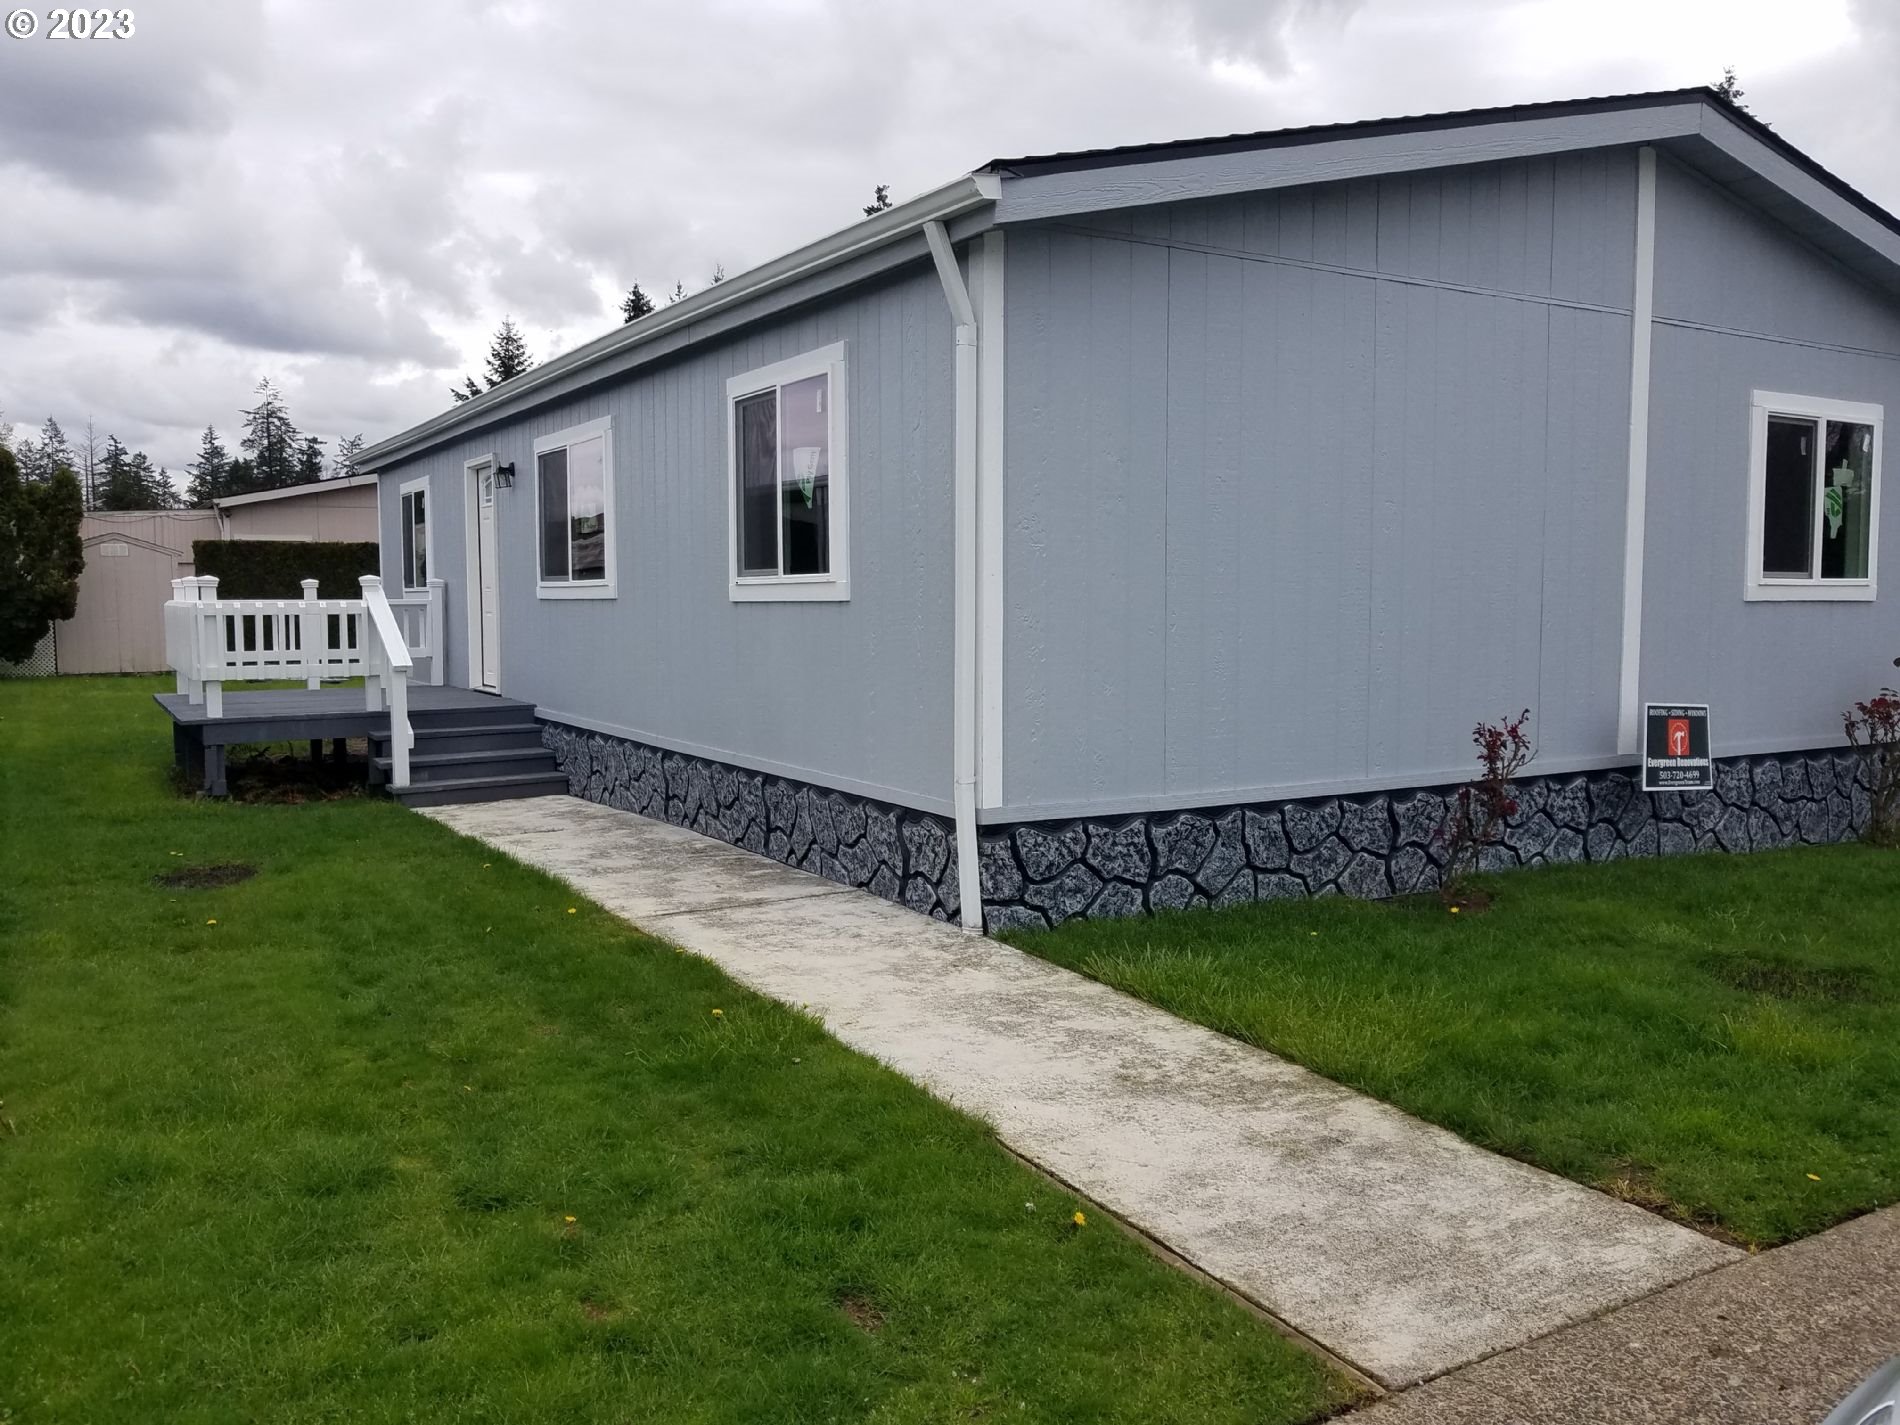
[1721, 148]
[863, 250]
[1171, 180]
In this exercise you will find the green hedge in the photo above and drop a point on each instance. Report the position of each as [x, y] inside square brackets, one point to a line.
[276, 568]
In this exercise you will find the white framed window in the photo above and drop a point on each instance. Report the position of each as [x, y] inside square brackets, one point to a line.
[417, 560]
[788, 493]
[1813, 498]
[574, 512]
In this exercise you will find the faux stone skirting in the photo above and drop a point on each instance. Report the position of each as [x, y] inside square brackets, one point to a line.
[903, 855]
[1039, 874]
[1043, 873]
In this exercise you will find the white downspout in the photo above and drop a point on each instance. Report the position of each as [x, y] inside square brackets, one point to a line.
[963, 680]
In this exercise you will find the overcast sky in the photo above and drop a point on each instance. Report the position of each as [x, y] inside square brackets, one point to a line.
[347, 197]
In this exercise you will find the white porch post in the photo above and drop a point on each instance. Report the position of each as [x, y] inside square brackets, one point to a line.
[309, 635]
[210, 646]
[437, 616]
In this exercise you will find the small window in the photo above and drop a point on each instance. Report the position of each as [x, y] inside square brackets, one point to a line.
[789, 499]
[1814, 480]
[573, 481]
[415, 534]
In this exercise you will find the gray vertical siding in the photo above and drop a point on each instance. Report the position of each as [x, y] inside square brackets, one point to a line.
[1741, 306]
[855, 694]
[1300, 485]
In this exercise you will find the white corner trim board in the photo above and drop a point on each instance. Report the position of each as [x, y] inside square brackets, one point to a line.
[964, 695]
[1636, 508]
[988, 261]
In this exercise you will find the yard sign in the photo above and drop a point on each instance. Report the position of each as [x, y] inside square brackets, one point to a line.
[1676, 748]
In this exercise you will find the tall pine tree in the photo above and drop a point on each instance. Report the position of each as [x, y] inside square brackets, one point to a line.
[635, 305]
[118, 485]
[41, 459]
[507, 358]
[349, 452]
[270, 440]
[507, 354]
[209, 472]
[309, 460]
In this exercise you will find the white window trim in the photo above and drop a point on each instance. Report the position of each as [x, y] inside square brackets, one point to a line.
[608, 587]
[1814, 589]
[403, 491]
[795, 588]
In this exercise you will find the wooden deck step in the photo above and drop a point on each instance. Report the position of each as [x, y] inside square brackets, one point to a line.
[456, 790]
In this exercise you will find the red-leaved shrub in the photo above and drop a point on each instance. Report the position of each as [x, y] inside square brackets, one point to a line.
[1480, 809]
[1875, 725]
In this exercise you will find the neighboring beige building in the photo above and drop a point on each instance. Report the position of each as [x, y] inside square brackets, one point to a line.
[335, 510]
[132, 556]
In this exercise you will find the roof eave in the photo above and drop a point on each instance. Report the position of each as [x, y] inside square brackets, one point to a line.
[973, 190]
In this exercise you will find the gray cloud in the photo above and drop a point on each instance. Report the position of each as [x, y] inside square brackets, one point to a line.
[348, 194]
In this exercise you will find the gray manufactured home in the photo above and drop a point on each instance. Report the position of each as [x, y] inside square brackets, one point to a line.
[1149, 527]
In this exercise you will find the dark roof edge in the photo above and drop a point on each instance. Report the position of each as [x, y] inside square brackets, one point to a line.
[1084, 159]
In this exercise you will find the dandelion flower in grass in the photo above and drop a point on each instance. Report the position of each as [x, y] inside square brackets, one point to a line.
[1453, 909]
[1814, 1177]
[568, 1218]
[571, 910]
[1080, 1220]
[719, 1014]
[211, 922]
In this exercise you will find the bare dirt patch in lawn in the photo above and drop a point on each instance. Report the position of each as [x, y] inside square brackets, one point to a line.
[860, 1312]
[206, 878]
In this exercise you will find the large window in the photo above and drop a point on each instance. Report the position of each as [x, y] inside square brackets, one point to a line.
[789, 500]
[574, 512]
[1814, 498]
[414, 514]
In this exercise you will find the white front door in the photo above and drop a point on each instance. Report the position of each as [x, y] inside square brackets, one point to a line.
[485, 657]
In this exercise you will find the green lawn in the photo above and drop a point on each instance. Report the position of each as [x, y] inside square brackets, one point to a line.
[1717, 1037]
[389, 1133]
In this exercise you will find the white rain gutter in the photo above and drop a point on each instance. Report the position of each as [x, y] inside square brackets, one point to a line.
[963, 717]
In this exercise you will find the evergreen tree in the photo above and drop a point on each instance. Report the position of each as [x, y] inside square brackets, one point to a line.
[349, 452]
[39, 459]
[719, 274]
[880, 200]
[270, 440]
[118, 487]
[507, 358]
[1730, 90]
[40, 555]
[635, 305]
[309, 460]
[507, 354]
[209, 472]
[678, 294]
[240, 478]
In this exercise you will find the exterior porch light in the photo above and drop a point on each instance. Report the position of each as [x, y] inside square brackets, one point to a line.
[505, 476]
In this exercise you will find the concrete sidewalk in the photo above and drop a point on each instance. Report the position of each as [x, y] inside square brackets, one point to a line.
[1396, 1245]
[1777, 1339]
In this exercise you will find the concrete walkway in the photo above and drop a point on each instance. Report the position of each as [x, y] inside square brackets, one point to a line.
[1778, 1339]
[1394, 1244]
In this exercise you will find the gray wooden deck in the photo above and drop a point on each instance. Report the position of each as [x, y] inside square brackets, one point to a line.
[296, 714]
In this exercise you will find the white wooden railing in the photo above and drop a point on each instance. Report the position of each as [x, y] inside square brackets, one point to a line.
[211, 641]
